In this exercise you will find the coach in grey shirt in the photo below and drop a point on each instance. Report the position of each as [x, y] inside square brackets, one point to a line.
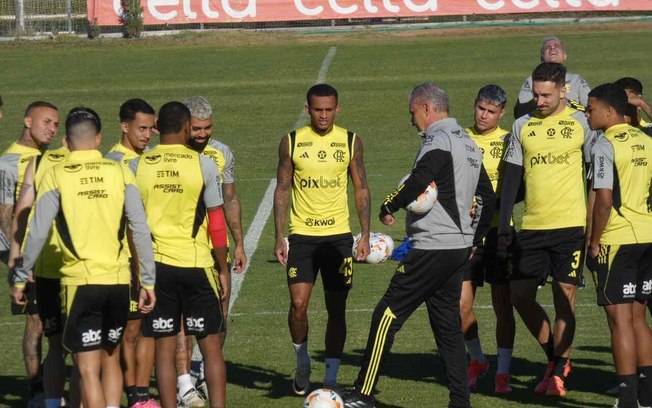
[442, 240]
[577, 89]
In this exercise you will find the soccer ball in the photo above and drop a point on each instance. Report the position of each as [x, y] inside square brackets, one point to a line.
[323, 398]
[425, 201]
[380, 247]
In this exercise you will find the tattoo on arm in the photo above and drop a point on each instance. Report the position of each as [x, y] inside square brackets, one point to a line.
[232, 212]
[359, 179]
[283, 187]
[6, 215]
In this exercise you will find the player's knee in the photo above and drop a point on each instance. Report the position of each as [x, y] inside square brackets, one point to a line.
[299, 306]
[33, 325]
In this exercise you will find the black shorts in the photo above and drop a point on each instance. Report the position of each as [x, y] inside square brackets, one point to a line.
[558, 253]
[622, 273]
[31, 308]
[50, 310]
[491, 263]
[307, 255]
[134, 292]
[96, 316]
[191, 292]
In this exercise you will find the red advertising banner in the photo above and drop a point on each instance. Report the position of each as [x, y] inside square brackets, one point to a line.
[106, 12]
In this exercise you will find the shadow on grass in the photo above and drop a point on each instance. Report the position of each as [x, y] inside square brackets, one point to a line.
[13, 391]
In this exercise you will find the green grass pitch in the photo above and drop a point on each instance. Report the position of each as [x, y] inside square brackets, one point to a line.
[256, 83]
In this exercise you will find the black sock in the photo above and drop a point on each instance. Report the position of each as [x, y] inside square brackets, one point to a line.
[143, 393]
[559, 366]
[35, 387]
[627, 387]
[132, 396]
[549, 349]
[645, 386]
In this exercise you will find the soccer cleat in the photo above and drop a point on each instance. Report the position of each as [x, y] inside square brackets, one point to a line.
[192, 399]
[301, 383]
[543, 385]
[202, 387]
[477, 369]
[556, 387]
[150, 403]
[613, 391]
[502, 384]
[618, 406]
[354, 399]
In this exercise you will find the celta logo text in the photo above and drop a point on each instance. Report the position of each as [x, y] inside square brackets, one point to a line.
[91, 337]
[549, 159]
[163, 325]
[629, 290]
[321, 182]
[114, 334]
[195, 323]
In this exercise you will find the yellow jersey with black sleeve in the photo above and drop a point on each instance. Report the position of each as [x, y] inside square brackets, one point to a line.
[49, 263]
[320, 181]
[223, 158]
[91, 198]
[621, 161]
[121, 154]
[492, 146]
[178, 185]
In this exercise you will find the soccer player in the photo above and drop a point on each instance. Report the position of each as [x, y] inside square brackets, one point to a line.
[490, 260]
[46, 275]
[577, 89]
[40, 125]
[88, 190]
[433, 269]
[620, 246]
[634, 89]
[314, 164]
[546, 151]
[183, 201]
[137, 123]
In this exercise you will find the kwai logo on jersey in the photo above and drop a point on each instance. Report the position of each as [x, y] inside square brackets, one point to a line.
[325, 222]
[162, 325]
[549, 159]
[114, 334]
[91, 337]
[629, 290]
[195, 323]
[321, 182]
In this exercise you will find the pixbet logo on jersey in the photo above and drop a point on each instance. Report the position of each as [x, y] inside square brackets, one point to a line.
[321, 182]
[162, 325]
[195, 323]
[549, 159]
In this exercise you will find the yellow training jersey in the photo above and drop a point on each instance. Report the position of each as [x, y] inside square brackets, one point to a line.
[493, 147]
[551, 151]
[18, 157]
[89, 192]
[121, 154]
[320, 181]
[178, 185]
[223, 158]
[50, 262]
[622, 162]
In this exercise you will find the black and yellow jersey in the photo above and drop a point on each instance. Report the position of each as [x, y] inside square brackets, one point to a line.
[492, 147]
[90, 198]
[178, 185]
[50, 262]
[121, 154]
[320, 181]
[552, 151]
[621, 161]
[223, 158]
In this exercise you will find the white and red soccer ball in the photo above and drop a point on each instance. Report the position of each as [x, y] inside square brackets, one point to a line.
[380, 247]
[425, 201]
[323, 398]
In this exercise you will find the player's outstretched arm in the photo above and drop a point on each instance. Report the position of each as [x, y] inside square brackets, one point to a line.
[21, 214]
[234, 221]
[282, 199]
[362, 197]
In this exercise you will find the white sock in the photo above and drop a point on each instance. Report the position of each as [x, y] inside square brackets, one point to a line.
[53, 403]
[184, 384]
[332, 365]
[504, 359]
[475, 349]
[302, 353]
[201, 370]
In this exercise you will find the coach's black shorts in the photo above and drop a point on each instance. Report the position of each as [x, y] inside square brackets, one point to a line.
[191, 292]
[31, 308]
[307, 255]
[622, 273]
[491, 263]
[558, 253]
[134, 292]
[50, 310]
[96, 316]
